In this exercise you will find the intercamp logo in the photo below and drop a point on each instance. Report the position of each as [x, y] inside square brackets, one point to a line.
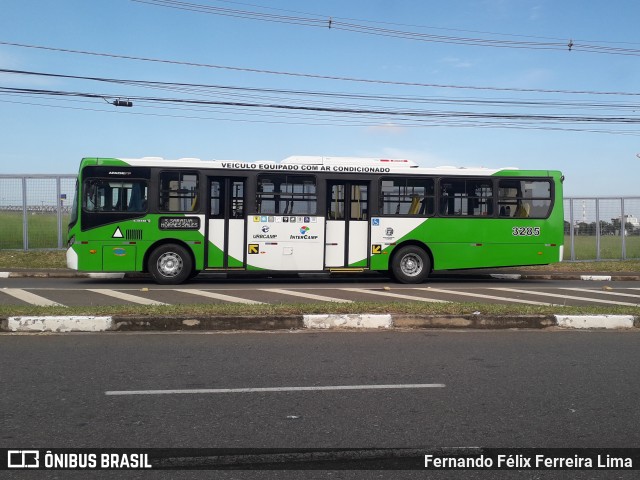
[23, 459]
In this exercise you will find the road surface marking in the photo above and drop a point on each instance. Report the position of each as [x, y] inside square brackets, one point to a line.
[603, 292]
[306, 295]
[480, 295]
[125, 296]
[219, 296]
[394, 295]
[275, 389]
[569, 297]
[31, 298]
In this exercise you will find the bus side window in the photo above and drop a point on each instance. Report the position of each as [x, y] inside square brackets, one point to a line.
[179, 191]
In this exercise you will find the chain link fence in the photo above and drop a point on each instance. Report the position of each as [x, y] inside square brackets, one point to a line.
[35, 210]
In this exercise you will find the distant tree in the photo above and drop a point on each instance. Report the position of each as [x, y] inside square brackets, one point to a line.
[584, 228]
[629, 227]
[606, 228]
[615, 222]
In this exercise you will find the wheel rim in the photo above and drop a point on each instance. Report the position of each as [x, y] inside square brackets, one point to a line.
[411, 265]
[170, 264]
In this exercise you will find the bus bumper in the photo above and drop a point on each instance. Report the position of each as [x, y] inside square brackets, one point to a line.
[72, 259]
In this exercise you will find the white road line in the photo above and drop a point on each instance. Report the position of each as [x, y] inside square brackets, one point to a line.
[394, 295]
[480, 295]
[603, 292]
[569, 297]
[31, 298]
[276, 389]
[310, 296]
[125, 296]
[219, 296]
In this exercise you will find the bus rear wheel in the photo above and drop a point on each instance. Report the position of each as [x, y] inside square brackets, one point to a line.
[410, 264]
[170, 264]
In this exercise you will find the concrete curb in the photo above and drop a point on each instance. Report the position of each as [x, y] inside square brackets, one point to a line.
[63, 324]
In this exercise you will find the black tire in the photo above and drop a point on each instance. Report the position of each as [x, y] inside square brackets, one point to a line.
[170, 264]
[410, 264]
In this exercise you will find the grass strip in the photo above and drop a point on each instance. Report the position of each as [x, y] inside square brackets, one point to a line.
[231, 310]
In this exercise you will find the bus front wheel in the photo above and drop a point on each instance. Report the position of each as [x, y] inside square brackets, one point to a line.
[410, 264]
[170, 264]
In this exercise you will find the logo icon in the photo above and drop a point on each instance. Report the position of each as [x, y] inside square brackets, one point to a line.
[388, 232]
[375, 222]
[304, 229]
[23, 458]
[265, 229]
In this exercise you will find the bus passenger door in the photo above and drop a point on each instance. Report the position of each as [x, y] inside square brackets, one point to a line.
[347, 232]
[226, 223]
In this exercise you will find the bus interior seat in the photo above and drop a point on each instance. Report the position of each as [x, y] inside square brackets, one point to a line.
[415, 205]
[523, 210]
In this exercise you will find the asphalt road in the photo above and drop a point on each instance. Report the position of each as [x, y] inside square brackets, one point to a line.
[83, 291]
[497, 389]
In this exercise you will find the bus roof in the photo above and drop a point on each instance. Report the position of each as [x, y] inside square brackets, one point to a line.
[310, 164]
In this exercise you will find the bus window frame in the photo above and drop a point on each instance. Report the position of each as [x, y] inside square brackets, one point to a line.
[179, 171]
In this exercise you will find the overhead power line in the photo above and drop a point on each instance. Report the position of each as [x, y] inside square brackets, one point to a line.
[255, 92]
[377, 111]
[335, 23]
[413, 25]
[311, 75]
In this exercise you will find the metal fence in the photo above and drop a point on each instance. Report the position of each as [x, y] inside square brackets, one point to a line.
[35, 209]
[602, 228]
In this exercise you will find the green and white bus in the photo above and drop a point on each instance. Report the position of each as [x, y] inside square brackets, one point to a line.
[176, 218]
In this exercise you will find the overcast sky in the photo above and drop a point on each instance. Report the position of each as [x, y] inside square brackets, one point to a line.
[531, 84]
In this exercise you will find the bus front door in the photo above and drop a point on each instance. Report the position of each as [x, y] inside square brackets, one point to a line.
[347, 232]
[226, 223]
